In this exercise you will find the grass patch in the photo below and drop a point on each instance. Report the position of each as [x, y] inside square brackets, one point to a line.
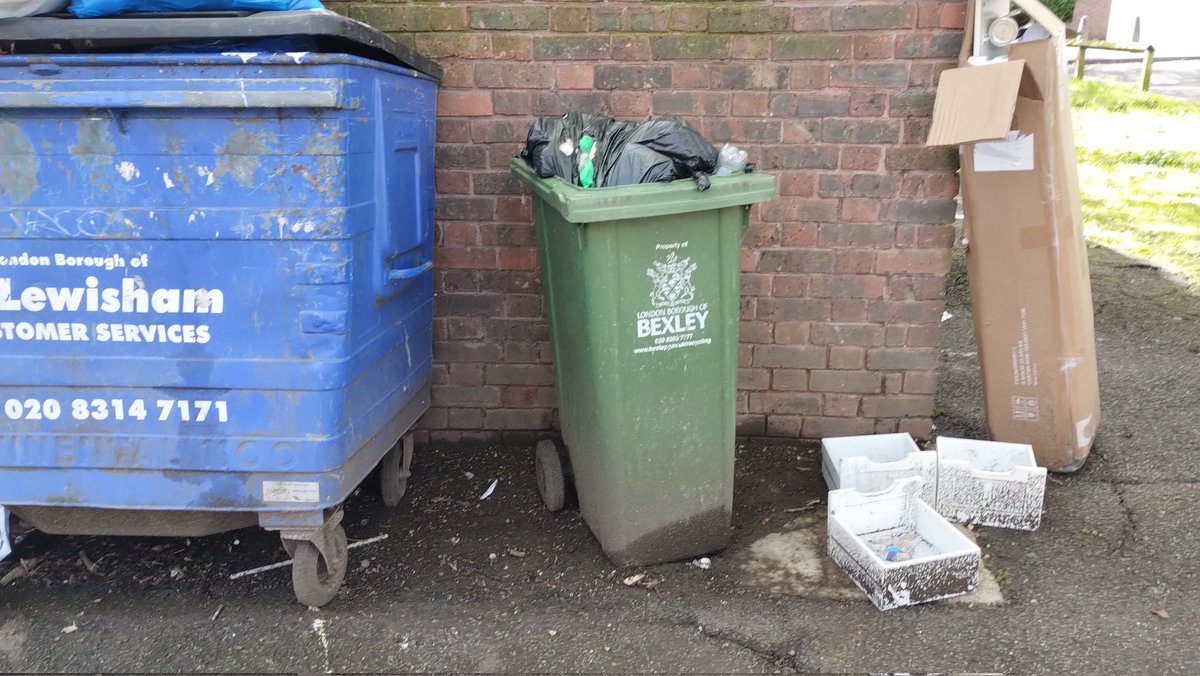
[1158, 157]
[1139, 172]
[1115, 98]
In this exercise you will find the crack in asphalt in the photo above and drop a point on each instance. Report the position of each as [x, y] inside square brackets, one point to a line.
[781, 658]
[1129, 528]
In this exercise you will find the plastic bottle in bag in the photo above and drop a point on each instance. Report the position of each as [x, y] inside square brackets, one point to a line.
[731, 160]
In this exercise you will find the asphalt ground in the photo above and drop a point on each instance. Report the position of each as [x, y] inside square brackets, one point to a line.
[1106, 585]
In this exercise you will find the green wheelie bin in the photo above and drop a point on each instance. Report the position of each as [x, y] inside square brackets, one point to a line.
[642, 287]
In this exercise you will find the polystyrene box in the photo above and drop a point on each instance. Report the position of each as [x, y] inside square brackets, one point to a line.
[939, 562]
[989, 483]
[870, 463]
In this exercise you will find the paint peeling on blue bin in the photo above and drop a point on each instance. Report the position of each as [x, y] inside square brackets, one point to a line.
[213, 278]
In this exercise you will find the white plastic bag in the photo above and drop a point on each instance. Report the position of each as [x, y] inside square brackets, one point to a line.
[732, 160]
[11, 9]
[5, 547]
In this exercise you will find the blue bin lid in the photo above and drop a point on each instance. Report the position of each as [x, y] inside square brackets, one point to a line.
[64, 34]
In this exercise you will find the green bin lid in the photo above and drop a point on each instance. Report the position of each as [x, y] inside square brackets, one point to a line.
[593, 205]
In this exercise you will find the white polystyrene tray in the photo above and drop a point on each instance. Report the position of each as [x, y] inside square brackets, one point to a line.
[989, 483]
[870, 463]
[945, 563]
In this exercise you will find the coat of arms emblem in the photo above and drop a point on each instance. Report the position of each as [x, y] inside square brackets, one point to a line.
[672, 281]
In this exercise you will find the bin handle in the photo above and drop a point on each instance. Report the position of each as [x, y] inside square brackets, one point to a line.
[405, 274]
[192, 93]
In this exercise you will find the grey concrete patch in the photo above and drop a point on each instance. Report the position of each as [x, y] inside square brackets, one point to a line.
[795, 561]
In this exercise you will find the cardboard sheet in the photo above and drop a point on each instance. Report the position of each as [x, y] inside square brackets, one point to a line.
[1026, 256]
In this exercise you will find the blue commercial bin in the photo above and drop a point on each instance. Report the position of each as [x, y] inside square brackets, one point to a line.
[216, 295]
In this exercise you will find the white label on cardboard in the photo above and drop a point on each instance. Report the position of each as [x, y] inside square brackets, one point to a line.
[291, 491]
[1024, 368]
[1026, 409]
[1012, 153]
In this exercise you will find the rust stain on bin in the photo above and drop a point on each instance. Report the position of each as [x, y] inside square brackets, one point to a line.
[19, 163]
[94, 149]
[241, 155]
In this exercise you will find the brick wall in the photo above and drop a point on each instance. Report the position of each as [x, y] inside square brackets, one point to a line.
[843, 273]
[1097, 12]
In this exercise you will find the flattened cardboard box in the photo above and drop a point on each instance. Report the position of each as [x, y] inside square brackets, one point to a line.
[1026, 257]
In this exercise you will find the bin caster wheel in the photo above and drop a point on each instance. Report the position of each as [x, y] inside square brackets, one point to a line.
[316, 578]
[551, 479]
[394, 471]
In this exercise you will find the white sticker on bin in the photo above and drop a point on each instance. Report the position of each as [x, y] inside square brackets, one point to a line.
[291, 491]
[1012, 153]
[5, 547]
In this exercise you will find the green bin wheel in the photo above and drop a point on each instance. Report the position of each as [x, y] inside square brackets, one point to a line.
[394, 471]
[551, 479]
[316, 579]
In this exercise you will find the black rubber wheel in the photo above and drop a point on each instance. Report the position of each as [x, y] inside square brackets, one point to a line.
[394, 470]
[315, 579]
[551, 479]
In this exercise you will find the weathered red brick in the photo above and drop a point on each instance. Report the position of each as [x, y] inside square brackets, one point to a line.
[798, 234]
[847, 357]
[849, 309]
[920, 428]
[897, 406]
[841, 405]
[750, 47]
[860, 209]
[833, 333]
[458, 395]
[819, 427]
[921, 261]
[512, 47]
[517, 419]
[509, 17]
[872, 46]
[793, 332]
[789, 356]
[811, 19]
[787, 426]
[754, 379]
[459, 234]
[786, 403]
[860, 158]
[953, 15]
[631, 103]
[512, 102]
[464, 103]
[864, 382]
[872, 17]
[569, 19]
[902, 359]
[787, 380]
[575, 76]
[858, 261]
[632, 77]
[631, 48]
[454, 45]
[751, 425]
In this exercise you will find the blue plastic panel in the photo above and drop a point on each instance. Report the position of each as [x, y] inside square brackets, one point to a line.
[214, 277]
